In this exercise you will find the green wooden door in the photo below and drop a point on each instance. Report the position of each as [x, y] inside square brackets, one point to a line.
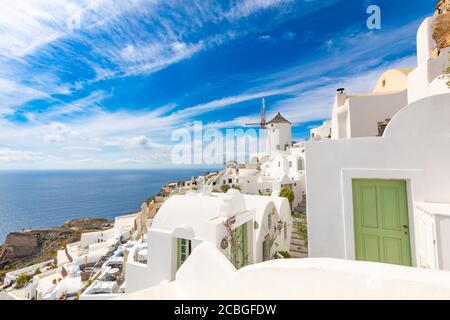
[183, 251]
[381, 221]
[240, 235]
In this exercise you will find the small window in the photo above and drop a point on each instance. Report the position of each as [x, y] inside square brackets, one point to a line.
[279, 164]
[290, 164]
[300, 164]
[230, 180]
[183, 251]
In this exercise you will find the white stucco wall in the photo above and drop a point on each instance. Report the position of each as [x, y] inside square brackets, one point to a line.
[123, 225]
[279, 210]
[425, 41]
[198, 217]
[360, 114]
[422, 81]
[279, 135]
[90, 238]
[300, 279]
[415, 147]
[426, 80]
[321, 132]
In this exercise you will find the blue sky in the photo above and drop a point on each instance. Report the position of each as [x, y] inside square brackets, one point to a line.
[109, 92]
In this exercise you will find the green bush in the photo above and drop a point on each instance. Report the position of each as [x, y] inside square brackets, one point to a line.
[23, 279]
[237, 187]
[285, 254]
[287, 193]
[225, 188]
[37, 271]
[302, 229]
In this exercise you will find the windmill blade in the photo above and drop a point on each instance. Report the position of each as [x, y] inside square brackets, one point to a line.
[263, 123]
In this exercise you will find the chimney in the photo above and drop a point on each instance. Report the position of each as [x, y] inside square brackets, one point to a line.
[341, 97]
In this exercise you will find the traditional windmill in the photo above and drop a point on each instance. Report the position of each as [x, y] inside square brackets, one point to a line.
[263, 123]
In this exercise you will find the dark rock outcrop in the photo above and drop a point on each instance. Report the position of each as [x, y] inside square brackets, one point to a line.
[31, 246]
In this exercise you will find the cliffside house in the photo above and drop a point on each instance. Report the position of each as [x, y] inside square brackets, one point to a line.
[387, 197]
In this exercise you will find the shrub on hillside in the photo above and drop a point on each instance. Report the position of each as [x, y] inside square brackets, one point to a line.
[23, 279]
[287, 193]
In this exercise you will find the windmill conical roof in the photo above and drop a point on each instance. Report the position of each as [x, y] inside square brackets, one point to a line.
[278, 119]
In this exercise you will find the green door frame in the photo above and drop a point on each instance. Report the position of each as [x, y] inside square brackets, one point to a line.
[241, 253]
[183, 251]
[381, 221]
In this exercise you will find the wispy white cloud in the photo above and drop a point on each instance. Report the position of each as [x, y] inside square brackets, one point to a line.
[141, 142]
[313, 102]
[289, 35]
[11, 155]
[90, 104]
[266, 37]
[13, 94]
[118, 46]
[249, 7]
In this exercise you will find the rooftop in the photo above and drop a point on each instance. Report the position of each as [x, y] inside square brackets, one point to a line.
[278, 119]
[299, 279]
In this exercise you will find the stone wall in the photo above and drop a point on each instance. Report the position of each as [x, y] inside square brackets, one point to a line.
[441, 30]
[21, 244]
[443, 6]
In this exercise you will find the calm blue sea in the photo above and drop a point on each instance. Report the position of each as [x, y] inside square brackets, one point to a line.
[49, 198]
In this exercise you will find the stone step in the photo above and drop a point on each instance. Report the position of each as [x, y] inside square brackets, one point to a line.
[296, 255]
[296, 236]
[299, 250]
[297, 242]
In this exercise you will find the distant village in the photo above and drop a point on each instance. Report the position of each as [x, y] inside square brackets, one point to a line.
[359, 210]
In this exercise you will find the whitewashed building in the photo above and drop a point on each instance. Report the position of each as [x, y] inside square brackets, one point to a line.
[321, 132]
[294, 279]
[267, 173]
[364, 115]
[387, 198]
[245, 229]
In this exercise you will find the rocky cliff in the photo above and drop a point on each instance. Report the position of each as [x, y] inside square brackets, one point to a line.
[31, 246]
[441, 30]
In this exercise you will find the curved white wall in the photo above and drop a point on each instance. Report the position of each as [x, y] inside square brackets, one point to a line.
[416, 148]
[299, 279]
[425, 41]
